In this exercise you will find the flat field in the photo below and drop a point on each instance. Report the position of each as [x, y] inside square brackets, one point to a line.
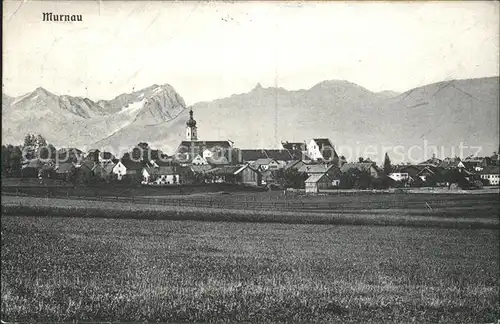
[89, 269]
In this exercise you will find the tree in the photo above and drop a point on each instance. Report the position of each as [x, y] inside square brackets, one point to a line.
[387, 164]
[29, 146]
[47, 152]
[361, 159]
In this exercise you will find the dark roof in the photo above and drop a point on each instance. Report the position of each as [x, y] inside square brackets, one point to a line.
[200, 146]
[293, 164]
[104, 167]
[279, 155]
[89, 164]
[315, 168]
[163, 170]
[361, 166]
[132, 165]
[296, 154]
[491, 169]
[252, 155]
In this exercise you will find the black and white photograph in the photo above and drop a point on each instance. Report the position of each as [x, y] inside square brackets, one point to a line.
[250, 162]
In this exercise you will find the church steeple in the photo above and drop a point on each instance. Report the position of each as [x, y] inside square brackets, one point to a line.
[191, 133]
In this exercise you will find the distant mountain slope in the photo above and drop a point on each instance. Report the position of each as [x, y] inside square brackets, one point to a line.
[74, 121]
[443, 114]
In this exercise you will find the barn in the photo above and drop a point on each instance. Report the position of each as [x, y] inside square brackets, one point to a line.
[316, 182]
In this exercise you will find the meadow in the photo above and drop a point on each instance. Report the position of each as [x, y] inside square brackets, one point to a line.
[104, 269]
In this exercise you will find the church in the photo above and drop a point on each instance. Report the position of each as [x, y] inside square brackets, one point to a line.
[192, 150]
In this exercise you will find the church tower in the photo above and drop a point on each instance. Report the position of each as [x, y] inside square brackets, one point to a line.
[191, 134]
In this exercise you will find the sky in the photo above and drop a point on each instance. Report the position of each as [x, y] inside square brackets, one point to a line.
[209, 50]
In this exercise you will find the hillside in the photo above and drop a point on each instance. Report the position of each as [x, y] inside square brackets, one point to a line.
[443, 114]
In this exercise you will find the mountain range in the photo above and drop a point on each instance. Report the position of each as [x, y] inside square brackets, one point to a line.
[443, 114]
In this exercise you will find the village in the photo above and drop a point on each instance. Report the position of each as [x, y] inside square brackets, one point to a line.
[313, 167]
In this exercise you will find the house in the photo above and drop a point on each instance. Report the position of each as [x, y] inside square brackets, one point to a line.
[427, 173]
[316, 182]
[161, 175]
[266, 164]
[311, 169]
[399, 176]
[93, 155]
[361, 166]
[198, 160]
[224, 173]
[85, 170]
[328, 175]
[451, 163]
[204, 148]
[267, 177]
[65, 171]
[294, 164]
[282, 156]
[322, 149]
[248, 175]
[70, 154]
[104, 170]
[491, 173]
[251, 155]
[126, 167]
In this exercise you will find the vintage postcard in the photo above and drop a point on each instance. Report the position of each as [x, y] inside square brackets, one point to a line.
[250, 161]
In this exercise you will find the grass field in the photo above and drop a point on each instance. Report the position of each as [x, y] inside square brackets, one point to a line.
[478, 213]
[88, 269]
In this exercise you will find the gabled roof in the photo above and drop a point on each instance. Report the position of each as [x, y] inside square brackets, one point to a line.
[225, 170]
[105, 167]
[315, 168]
[293, 164]
[246, 166]
[88, 164]
[315, 178]
[361, 166]
[132, 165]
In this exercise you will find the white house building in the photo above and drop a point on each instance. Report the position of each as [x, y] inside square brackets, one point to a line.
[322, 149]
